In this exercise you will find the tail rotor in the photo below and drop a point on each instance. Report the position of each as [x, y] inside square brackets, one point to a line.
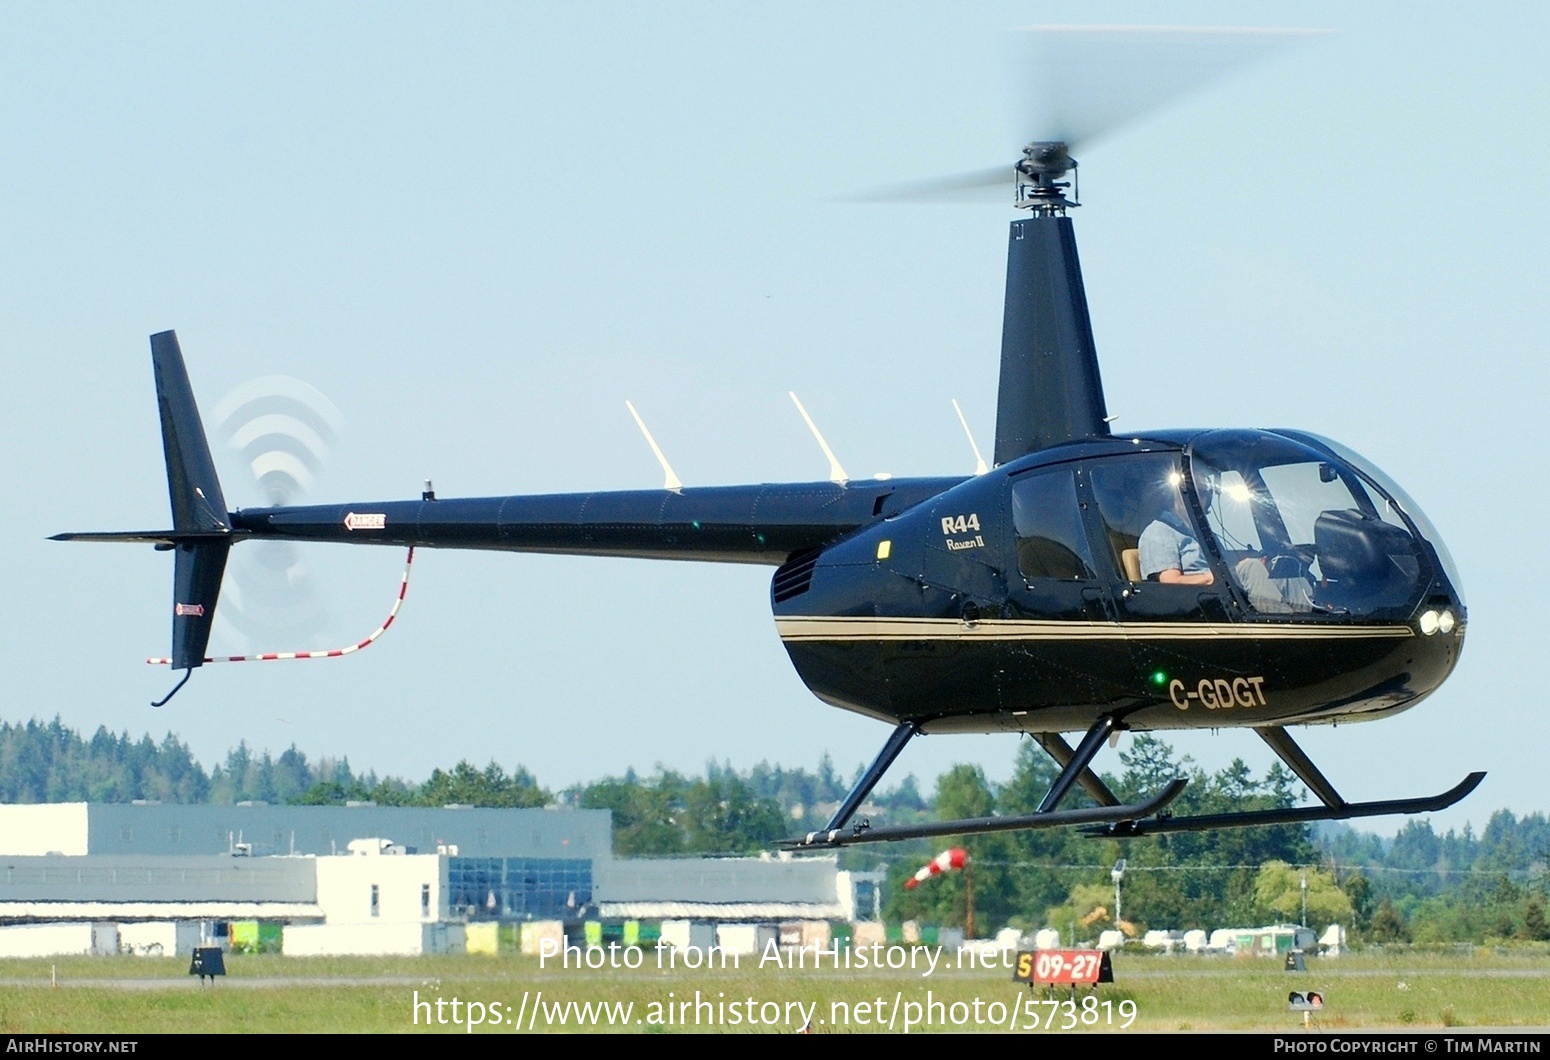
[283, 429]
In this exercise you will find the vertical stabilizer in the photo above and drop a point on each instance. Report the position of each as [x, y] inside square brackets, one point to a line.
[197, 502]
[1050, 388]
[197, 505]
[196, 585]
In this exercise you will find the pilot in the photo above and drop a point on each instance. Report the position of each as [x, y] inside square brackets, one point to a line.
[1267, 594]
[1272, 595]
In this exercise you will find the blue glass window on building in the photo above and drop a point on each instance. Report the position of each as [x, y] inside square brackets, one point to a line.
[519, 888]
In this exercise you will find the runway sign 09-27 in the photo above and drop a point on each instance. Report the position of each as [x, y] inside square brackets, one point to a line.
[1073, 967]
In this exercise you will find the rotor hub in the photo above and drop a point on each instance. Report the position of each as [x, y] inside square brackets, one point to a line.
[1039, 172]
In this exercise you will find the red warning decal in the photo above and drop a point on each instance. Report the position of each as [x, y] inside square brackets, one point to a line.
[190, 610]
[365, 521]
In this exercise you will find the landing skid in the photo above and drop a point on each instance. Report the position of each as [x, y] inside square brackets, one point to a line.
[1335, 808]
[863, 832]
[1110, 819]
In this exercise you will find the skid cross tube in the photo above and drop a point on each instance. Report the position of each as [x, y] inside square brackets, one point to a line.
[1077, 763]
[1057, 748]
[1286, 748]
[869, 779]
[1300, 815]
[1074, 764]
[1087, 815]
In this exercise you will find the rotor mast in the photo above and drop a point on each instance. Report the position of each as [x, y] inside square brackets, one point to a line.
[1050, 391]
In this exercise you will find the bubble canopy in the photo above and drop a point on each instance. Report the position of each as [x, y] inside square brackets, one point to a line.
[1304, 527]
[1396, 493]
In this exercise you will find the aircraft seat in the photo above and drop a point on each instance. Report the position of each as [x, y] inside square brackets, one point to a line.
[1131, 558]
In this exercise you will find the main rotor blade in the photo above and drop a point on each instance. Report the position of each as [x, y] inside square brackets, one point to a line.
[992, 185]
[1075, 84]
[1078, 83]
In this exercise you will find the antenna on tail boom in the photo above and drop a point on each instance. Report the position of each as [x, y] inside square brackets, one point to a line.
[836, 473]
[670, 481]
[979, 461]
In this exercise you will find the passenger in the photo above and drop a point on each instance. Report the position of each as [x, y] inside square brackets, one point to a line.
[1169, 551]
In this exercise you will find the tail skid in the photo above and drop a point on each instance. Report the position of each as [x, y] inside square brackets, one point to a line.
[332, 653]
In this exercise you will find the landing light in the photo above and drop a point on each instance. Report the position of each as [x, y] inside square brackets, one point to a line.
[1430, 622]
[1446, 622]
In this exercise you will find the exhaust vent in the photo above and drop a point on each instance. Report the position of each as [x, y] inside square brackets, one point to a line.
[794, 576]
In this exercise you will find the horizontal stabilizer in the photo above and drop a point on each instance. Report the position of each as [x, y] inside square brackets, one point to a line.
[162, 538]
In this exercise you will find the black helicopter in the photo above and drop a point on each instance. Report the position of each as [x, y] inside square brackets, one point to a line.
[1087, 582]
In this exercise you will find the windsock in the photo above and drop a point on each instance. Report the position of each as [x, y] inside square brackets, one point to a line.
[955, 858]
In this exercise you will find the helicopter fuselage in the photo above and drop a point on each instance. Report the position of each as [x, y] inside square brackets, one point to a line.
[947, 615]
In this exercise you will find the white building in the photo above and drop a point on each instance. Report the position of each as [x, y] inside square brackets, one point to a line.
[171, 874]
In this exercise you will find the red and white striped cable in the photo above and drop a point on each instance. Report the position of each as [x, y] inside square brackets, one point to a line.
[953, 858]
[403, 589]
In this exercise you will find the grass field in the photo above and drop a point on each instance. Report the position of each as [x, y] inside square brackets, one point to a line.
[1397, 991]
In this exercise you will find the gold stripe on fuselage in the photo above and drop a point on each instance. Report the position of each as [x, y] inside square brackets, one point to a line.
[877, 629]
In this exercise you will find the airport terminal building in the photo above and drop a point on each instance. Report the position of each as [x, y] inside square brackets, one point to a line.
[261, 830]
[364, 878]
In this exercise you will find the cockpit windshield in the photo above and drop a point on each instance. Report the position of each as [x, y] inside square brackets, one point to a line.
[1300, 530]
[1396, 495]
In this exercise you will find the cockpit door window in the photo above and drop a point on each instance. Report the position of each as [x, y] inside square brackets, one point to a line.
[1051, 540]
[1155, 552]
[1057, 573]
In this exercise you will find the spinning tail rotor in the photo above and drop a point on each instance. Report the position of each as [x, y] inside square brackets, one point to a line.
[283, 430]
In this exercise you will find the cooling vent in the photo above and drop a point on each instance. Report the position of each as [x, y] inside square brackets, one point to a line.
[794, 576]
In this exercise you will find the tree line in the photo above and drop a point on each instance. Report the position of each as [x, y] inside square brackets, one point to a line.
[1418, 886]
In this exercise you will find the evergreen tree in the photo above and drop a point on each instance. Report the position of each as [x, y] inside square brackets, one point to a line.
[466, 785]
[1387, 924]
[1041, 879]
[1535, 926]
[1358, 891]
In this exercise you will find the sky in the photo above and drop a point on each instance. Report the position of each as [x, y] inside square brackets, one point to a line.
[479, 229]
